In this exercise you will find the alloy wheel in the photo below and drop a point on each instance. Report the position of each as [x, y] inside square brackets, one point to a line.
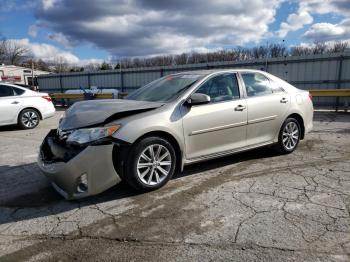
[30, 119]
[290, 135]
[154, 164]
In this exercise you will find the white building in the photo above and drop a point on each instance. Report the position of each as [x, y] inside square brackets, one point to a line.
[19, 75]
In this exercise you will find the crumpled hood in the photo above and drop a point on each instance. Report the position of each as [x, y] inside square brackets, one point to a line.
[94, 112]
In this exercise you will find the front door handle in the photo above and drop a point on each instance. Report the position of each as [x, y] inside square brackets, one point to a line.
[284, 100]
[15, 102]
[239, 108]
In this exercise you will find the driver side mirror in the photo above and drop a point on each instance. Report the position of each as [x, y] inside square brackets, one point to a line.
[198, 99]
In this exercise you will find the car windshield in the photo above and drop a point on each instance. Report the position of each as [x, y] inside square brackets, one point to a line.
[165, 89]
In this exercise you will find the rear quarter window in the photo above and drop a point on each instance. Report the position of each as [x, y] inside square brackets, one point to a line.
[18, 91]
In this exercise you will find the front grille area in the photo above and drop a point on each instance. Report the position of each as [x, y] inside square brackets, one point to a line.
[54, 149]
[62, 135]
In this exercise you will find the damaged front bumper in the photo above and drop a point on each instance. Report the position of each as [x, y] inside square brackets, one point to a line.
[77, 172]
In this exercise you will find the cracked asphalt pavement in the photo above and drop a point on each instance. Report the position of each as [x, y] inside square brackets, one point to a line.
[256, 205]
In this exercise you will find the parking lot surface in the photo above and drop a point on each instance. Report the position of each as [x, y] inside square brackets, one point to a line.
[257, 205]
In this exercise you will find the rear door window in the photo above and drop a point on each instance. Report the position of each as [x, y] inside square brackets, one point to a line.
[256, 84]
[6, 91]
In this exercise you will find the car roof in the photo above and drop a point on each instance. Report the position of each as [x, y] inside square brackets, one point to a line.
[288, 87]
[211, 71]
[14, 85]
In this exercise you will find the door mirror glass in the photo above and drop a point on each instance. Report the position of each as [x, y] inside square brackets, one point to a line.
[198, 99]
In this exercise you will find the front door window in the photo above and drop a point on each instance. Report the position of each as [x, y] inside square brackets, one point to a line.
[220, 88]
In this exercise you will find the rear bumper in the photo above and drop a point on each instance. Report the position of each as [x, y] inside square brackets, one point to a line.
[94, 162]
[49, 112]
[308, 127]
[309, 118]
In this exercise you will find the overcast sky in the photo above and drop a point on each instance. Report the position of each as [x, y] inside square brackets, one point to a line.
[82, 31]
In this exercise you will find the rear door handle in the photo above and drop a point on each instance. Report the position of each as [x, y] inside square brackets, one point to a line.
[15, 102]
[284, 100]
[239, 108]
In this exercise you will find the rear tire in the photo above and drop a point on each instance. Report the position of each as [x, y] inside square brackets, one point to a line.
[289, 136]
[151, 164]
[28, 119]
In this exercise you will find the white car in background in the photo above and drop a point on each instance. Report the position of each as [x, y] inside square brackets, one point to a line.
[22, 106]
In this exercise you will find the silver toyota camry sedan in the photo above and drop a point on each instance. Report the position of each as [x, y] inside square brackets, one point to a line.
[173, 121]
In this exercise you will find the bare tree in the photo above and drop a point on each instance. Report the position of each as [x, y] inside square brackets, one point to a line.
[338, 47]
[3, 51]
[181, 59]
[300, 51]
[92, 67]
[15, 52]
[37, 64]
[260, 52]
[41, 65]
[60, 65]
[243, 53]
[168, 60]
[319, 48]
[277, 50]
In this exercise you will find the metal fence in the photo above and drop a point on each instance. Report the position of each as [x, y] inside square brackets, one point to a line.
[328, 71]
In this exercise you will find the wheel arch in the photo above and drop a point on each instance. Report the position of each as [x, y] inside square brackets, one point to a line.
[300, 120]
[171, 139]
[121, 151]
[30, 107]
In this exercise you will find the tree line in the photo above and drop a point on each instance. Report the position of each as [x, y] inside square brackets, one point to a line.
[235, 54]
[13, 53]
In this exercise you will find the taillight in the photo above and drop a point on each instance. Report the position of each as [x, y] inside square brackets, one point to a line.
[47, 98]
[310, 96]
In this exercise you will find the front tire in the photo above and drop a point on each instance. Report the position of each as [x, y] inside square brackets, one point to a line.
[28, 119]
[151, 164]
[289, 136]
